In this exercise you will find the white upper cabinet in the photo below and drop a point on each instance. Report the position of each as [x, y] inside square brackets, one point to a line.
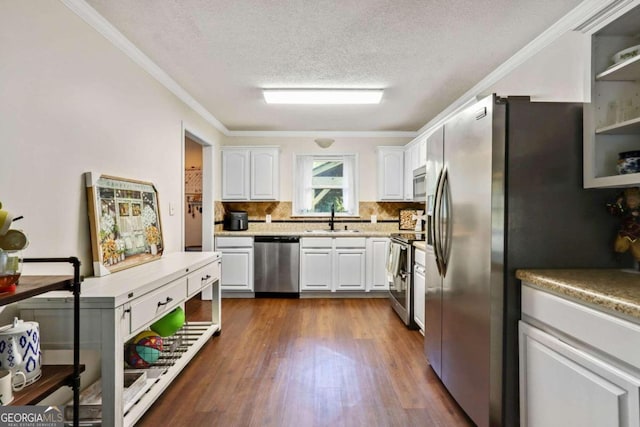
[250, 173]
[265, 172]
[415, 155]
[235, 174]
[612, 119]
[390, 173]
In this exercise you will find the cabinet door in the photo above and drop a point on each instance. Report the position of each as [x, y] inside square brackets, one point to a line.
[408, 173]
[265, 169]
[349, 269]
[315, 269]
[390, 173]
[418, 295]
[377, 254]
[235, 174]
[237, 269]
[422, 152]
[561, 385]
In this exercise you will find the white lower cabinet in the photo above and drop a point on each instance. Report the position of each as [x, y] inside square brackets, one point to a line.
[568, 372]
[333, 264]
[349, 271]
[419, 288]
[316, 266]
[237, 263]
[377, 255]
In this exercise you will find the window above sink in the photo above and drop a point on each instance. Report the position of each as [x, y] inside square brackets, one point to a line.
[325, 180]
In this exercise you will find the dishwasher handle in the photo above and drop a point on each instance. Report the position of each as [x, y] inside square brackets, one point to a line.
[276, 239]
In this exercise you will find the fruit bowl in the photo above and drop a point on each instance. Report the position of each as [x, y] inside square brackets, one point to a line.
[10, 269]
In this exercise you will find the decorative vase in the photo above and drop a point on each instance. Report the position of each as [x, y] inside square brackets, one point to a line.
[154, 249]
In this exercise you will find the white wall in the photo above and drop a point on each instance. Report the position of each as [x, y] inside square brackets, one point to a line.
[364, 147]
[559, 72]
[71, 102]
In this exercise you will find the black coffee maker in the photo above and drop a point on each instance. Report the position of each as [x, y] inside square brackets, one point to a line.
[236, 221]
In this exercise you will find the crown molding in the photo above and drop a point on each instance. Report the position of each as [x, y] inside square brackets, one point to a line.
[321, 133]
[581, 14]
[108, 31]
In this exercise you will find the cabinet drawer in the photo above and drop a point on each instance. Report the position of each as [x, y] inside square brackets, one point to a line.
[234, 242]
[154, 305]
[419, 257]
[201, 278]
[316, 242]
[351, 242]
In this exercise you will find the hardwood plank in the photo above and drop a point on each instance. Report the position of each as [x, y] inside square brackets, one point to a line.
[308, 362]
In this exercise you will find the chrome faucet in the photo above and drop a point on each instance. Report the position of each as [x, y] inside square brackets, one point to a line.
[333, 216]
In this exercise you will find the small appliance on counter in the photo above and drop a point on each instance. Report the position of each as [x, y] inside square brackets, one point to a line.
[236, 221]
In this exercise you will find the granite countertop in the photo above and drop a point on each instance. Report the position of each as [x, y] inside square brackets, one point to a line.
[614, 291]
[359, 233]
[301, 229]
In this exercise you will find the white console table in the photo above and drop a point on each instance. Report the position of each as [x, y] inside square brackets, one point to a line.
[115, 308]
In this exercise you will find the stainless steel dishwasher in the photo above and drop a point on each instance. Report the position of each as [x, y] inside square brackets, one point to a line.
[276, 266]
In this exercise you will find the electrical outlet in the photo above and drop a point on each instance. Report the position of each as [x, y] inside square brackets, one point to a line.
[172, 209]
[374, 219]
[268, 219]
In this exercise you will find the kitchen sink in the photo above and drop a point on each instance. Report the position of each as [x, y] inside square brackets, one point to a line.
[332, 231]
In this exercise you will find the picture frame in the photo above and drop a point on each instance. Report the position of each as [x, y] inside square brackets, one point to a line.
[124, 218]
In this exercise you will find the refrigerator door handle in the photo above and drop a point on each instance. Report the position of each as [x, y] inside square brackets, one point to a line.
[445, 222]
[436, 228]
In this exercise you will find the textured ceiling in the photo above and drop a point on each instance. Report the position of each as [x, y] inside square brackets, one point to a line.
[424, 53]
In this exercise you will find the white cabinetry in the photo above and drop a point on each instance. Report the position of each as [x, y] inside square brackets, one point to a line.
[316, 264]
[377, 255]
[333, 264]
[235, 174]
[567, 349]
[349, 264]
[415, 155]
[612, 120]
[390, 173]
[419, 288]
[118, 306]
[265, 170]
[237, 263]
[250, 173]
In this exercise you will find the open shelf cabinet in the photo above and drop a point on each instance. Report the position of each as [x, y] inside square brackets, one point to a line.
[612, 119]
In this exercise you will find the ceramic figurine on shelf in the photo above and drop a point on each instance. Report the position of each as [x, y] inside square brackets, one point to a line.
[627, 206]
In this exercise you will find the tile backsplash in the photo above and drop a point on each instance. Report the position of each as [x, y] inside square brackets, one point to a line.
[281, 211]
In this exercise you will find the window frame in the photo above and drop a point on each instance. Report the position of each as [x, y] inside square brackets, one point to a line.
[297, 189]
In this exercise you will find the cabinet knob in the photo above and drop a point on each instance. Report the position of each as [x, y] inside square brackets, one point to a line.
[167, 301]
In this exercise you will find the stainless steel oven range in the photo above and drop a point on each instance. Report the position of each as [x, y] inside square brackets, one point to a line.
[399, 275]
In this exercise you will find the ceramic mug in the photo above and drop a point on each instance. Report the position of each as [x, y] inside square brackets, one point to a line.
[7, 385]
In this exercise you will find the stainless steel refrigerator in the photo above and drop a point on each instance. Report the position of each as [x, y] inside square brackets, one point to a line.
[504, 191]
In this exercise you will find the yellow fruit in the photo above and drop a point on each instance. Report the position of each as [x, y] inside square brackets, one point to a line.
[14, 240]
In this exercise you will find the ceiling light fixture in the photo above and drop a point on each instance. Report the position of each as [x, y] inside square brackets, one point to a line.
[324, 142]
[322, 96]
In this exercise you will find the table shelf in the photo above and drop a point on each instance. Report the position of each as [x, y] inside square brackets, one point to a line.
[30, 286]
[53, 377]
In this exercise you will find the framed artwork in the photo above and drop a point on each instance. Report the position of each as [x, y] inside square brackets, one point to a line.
[124, 217]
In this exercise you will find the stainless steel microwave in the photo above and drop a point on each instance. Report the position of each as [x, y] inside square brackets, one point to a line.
[420, 184]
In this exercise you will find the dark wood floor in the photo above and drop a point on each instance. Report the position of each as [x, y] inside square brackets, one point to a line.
[308, 362]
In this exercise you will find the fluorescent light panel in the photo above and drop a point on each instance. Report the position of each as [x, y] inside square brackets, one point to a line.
[322, 96]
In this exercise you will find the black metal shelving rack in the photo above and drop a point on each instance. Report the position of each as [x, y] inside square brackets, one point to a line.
[58, 375]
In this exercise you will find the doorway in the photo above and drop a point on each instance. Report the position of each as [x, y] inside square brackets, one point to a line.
[197, 195]
[192, 195]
